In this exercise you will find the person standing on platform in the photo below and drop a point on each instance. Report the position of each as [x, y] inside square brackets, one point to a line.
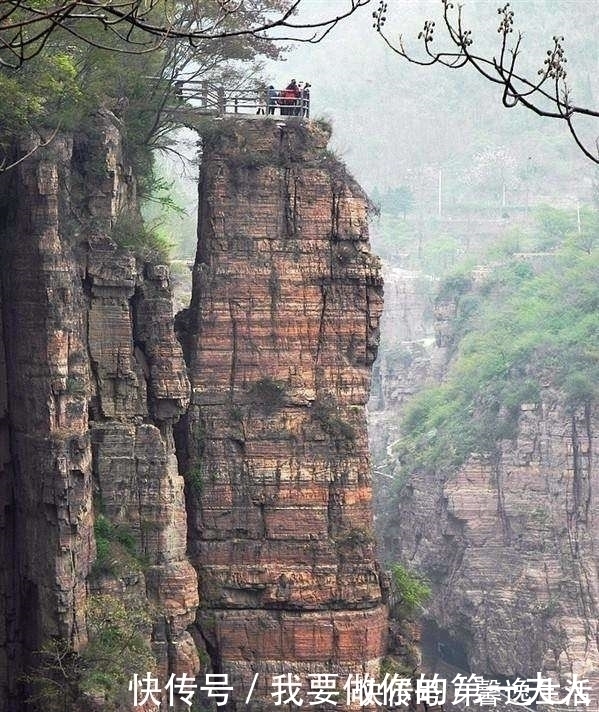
[305, 100]
[290, 100]
[272, 95]
[299, 103]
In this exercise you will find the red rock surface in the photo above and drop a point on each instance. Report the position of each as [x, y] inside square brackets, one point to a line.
[280, 339]
[91, 380]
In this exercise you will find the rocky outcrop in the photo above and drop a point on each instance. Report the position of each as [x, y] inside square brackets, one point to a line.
[511, 547]
[509, 543]
[91, 381]
[279, 340]
[97, 527]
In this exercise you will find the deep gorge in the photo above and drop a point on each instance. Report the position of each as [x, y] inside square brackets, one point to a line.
[200, 484]
[505, 533]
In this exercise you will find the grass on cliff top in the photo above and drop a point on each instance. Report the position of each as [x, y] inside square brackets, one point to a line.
[516, 333]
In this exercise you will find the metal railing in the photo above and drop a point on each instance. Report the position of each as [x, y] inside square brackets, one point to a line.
[208, 98]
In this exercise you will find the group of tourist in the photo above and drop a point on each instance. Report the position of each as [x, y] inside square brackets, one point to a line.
[294, 100]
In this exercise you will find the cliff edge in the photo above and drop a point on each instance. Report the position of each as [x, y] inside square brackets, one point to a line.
[146, 477]
[279, 342]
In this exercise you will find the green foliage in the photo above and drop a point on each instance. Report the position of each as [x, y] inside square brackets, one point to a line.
[581, 387]
[397, 201]
[393, 665]
[32, 97]
[236, 413]
[251, 160]
[63, 88]
[103, 529]
[455, 285]
[323, 124]
[578, 229]
[166, 191]
[53, 679]
[431, 246]
[115, 546]
[65, 85]
[104, 535]
[526, 330]
[75, 385]
[161, 195]
[118, 644]
[146, 241]
[586, 238]
[195, 478]
[409, 591]
[326, 413]
[119, 631]
[268, 393]
[434, 246]
[554, 224]
[214, 130]
[125, 538]
[77, 75]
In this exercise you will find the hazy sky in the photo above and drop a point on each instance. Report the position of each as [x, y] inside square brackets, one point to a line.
[390, 117]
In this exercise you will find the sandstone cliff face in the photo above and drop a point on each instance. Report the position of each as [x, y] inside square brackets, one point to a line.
[276, 511]
[279, 341]
[91, 381]
[510, 545]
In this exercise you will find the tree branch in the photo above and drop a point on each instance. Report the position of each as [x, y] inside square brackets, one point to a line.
[517, 89]
[24, 26]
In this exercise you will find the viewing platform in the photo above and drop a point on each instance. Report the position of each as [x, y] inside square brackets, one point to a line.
[207, 99]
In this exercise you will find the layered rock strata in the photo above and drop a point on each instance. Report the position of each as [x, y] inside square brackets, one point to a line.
[91, 382]
[510, 546]
[279, 340]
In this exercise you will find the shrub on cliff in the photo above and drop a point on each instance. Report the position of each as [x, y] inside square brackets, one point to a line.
[409, 591]
[530, 330]
[116, 548]
[268, 393]
[146, 241]
[119, 632]
[326, 413]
